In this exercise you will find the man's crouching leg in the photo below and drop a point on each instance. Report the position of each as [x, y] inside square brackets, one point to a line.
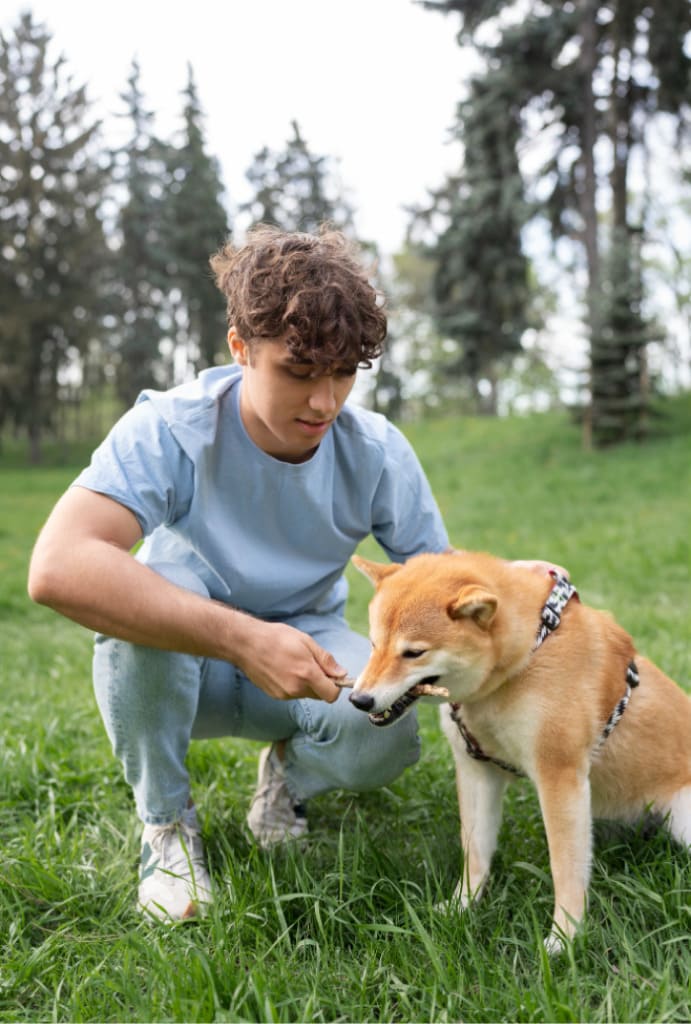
[148, 700]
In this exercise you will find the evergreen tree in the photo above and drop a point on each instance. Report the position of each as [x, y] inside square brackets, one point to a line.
[144, 310]
[593, 75]
[295, 189]
[480, 286]
[54, 257]
[197, 225]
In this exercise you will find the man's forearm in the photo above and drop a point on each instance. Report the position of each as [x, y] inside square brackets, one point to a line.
[107, 590]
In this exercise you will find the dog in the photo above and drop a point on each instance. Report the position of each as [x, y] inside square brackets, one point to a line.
[535, 683]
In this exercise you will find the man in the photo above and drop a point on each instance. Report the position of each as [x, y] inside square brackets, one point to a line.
[251, 487]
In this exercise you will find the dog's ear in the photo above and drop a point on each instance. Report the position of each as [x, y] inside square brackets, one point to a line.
[374, 571]
[473, 602]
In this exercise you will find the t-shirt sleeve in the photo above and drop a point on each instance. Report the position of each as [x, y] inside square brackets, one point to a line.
[406, 517]
[141, 466]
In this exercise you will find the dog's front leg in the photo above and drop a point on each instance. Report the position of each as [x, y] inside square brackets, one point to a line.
[564, 794]
[480, 789]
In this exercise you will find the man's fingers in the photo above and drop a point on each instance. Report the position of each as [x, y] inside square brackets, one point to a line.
[326, 661]
[296, 666]
[326, 689]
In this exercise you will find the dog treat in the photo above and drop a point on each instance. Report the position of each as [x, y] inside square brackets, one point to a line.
[419, 690]
[428, 690]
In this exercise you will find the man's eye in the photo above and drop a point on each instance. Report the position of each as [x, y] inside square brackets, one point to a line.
[411, 652]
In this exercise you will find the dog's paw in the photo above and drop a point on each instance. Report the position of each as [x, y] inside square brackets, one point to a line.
[450, 906]
[555, 943]
[457, 904]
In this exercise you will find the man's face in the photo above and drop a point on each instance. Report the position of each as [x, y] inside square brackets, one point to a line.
[287, 407]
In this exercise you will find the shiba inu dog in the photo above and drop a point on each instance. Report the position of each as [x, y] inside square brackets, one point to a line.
[535, 684]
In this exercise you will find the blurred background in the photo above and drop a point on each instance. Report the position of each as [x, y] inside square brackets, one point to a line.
[516, 172]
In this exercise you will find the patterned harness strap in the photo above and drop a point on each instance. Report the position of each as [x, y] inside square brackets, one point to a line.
[632, 681]
[550, 618]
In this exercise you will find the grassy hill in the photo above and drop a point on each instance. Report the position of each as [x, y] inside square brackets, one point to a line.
[346, 929]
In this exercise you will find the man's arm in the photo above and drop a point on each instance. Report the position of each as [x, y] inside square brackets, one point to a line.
[81, 567]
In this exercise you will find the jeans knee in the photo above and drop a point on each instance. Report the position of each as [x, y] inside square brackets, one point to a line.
[376, 756]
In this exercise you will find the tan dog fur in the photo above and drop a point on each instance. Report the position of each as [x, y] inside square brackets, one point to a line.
[476, 617]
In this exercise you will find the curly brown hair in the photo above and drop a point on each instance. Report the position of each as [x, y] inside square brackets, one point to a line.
[309, 290]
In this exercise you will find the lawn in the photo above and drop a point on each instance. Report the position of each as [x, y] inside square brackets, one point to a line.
[344, 928]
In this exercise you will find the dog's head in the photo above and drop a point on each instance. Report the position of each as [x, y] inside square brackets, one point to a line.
[431, 627]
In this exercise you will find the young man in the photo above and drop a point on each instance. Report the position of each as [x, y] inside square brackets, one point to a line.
[251, 487]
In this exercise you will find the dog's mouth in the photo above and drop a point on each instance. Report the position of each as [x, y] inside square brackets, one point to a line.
[425, 688]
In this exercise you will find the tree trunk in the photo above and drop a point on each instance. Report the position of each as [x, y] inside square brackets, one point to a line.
[588, 195]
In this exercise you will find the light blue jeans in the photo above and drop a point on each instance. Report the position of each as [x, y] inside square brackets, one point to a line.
[154, 702]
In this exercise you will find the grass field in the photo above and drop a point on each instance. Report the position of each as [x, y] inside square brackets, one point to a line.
[345, 928]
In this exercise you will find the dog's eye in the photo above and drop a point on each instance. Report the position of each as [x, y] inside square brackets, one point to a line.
[412, 653]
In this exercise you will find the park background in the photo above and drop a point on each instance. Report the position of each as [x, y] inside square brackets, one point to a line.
[538, 292]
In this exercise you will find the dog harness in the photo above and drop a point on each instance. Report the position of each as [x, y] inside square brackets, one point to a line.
[550, 618]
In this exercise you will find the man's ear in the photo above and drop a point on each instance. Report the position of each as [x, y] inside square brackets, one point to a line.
[473, 602]
[374, 571]
[239, 349]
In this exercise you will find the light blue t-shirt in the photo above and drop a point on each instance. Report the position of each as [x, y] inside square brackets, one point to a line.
[269, 537]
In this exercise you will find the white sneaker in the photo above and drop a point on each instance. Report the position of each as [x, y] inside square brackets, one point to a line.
[174, 884]
[274, 816]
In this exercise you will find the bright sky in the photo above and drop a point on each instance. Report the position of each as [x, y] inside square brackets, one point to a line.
[373, 83]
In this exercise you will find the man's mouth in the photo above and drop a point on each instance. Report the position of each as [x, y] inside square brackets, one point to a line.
[425, 688]
[313, 428]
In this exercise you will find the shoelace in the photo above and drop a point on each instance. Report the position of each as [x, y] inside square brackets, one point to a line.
[178, 845]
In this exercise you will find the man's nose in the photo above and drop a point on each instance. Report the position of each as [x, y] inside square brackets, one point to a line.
[323, 395]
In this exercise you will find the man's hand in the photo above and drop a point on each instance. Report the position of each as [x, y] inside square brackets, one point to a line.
[286, 663]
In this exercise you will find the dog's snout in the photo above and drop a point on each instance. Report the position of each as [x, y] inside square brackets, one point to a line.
[363, 701]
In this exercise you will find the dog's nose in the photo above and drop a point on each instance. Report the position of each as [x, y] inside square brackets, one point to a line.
[363, 701]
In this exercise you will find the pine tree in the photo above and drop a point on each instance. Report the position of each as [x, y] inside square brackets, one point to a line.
[481, 292]
[54, 257]
[144, 310]
[295, 189]
[197, 225]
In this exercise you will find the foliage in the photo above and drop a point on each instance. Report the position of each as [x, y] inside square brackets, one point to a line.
[480, 284]
[345, 928]
[295, 189]
[54, 261]
[197, 225]
[141, 263]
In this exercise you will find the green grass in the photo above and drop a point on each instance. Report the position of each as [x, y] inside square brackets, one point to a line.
[345, 929]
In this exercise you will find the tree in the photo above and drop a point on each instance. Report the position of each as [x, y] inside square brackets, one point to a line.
[197, 224]
[590, 78]
[481, 281]
[296, 190]
[54, 256]
[143, 308]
